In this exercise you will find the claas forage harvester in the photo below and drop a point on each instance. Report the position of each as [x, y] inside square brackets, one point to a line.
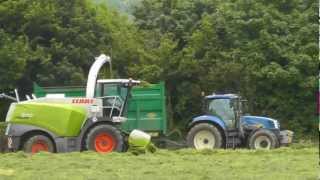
[63, 124]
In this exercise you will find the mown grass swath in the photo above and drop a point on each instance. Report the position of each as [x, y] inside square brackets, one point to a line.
[284, 163]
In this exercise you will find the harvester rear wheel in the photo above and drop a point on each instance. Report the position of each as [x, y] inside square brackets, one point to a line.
[104, 139]
[37, 143]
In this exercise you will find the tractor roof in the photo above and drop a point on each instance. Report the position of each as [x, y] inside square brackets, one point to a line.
[222, 96]
[118, 81]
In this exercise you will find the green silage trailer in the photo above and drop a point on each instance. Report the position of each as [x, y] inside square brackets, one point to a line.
[146, 107]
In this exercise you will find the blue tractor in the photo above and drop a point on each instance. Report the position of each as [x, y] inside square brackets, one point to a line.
[223, 125]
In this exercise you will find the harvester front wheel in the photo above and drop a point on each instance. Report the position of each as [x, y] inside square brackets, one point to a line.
[37, 143]
[104, 139]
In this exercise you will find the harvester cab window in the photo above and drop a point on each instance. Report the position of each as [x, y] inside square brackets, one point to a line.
[113, 96]
[123, 90]
[224, 109]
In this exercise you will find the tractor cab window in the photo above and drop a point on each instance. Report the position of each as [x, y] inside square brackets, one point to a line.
[224, 109]
[113, 96]
[244, 107]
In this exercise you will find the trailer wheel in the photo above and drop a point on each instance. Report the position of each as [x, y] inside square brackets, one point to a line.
[104, 139]
[204, 136]
[263, 139]
[37, 143]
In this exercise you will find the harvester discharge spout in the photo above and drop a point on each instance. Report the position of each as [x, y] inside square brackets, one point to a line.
[93, 74]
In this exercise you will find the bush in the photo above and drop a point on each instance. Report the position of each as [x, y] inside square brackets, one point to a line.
[3, 140]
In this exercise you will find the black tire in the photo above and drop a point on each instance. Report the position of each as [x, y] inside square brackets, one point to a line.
[113, 134]
[218, 141]
[263, 139]
[38, 143]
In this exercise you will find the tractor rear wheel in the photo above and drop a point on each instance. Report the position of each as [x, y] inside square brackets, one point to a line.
[263, 139]
[104, 139]
[37, 143]
[204, 136]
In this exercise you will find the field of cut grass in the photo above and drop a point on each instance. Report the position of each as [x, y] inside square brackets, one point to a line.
[284, 163]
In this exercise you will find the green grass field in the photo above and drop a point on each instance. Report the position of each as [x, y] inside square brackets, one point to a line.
[284, 163]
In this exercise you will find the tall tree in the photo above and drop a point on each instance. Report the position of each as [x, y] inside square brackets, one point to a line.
[265, 50]
[54, 42]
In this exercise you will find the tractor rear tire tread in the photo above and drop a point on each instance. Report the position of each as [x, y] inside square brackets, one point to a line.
[204, 126]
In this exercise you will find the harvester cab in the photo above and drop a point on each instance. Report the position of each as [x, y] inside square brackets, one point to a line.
[114, 94]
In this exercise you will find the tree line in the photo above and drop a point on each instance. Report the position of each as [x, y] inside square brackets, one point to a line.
[267, 51]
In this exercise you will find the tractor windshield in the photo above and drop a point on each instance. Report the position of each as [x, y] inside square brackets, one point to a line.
[224, 109]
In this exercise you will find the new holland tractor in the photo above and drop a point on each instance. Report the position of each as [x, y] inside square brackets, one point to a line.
[63, 124]
[223, 125]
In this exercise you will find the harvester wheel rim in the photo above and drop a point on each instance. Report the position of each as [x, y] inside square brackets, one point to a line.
[204, 139]
[104, 143]
[39, 146]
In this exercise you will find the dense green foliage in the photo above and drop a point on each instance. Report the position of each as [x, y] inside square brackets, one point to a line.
[3, 141]
[265, 50]
[55, 42]
[282, 163]
[124, 6]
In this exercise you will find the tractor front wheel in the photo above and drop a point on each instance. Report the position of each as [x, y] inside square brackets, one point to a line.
[263, 139]
[37, 143]
[204, 136]
[104, 139]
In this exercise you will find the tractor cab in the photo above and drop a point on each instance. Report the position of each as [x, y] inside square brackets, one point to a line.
[224, 125]
[226, 107]
[114, 94]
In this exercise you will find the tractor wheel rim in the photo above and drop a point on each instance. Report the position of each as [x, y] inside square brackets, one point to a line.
[204, 139]
[262, 142]
[104, 143]
[39, 146]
